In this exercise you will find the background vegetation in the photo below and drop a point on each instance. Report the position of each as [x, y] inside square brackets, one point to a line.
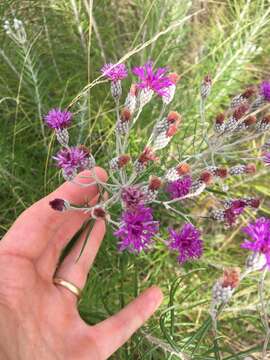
[68, 42]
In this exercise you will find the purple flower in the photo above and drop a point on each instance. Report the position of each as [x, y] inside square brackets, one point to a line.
[259, 232]
[266, 158]
[58, 119]
[231, 214]
[187, 242]
[154, 80]
[137, 229]
[132, 196]
[72, 160]
[179, 188]
[114, 72]
[265, 90]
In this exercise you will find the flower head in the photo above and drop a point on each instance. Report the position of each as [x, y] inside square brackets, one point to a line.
[58, 119]
[132, 196]
[265, 90]
[266, 158]
[187, 242]
[72, 160]
[114, 72]
[137, 229]
[179, 188]
[154, 80]
[259, 232]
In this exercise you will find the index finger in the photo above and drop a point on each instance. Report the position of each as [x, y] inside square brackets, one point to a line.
[32, 231]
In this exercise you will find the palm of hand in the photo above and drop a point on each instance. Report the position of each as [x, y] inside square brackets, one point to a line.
[41, 320]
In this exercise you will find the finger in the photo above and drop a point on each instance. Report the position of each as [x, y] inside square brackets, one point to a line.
[76, 265]
[32, 231]
[126, 322]
[48, 260]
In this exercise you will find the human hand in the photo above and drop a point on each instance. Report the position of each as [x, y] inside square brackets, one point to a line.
[39, 320]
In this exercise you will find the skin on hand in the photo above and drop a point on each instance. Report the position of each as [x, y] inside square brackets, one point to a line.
[39, 320]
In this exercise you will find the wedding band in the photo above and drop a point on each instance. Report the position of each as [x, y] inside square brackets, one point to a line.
[69, 286]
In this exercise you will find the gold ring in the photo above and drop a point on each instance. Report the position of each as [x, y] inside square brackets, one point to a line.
[69, 286]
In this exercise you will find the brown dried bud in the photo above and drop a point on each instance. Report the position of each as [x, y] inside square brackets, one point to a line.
[220, 118]
[206, 177]
[125, 115]
[155, 183]
[240, 111]
[123, 160]
[174, 77]
[250, 91]
[99, 213]
[266, 119]
[222, 173]
[183, 169]
[174, 117]
[231, 277]
[250, 120]
[250, 168]
[147, 155]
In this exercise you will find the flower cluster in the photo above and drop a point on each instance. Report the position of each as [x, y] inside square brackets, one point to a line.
[141, 183]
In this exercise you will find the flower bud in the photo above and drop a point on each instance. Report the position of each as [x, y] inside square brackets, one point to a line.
[222, 173]
[264, 124]
[206, 86]
[183, 169]
[145, 157]
[116, 89]
[250, 120]
[59, 204]
[206, 177]
[98, 213]
[220, 123]
[240, 111]
[119, 162]
[225, 286]
[155, 183]
[250, 168]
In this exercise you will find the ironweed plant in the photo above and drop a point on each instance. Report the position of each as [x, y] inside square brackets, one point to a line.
[146, 186]
[137, 185]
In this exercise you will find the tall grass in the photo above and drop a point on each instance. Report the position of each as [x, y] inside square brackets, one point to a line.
[68, 41]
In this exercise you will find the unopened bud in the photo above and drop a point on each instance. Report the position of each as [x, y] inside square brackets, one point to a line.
[183, 169]
[119, 162]
[206, 177]
[98, 213]
[174, 117]
[125, 115]
[59, 204]
[155, 183]
[240, 111]
[116, 89]
[250, 168]
[250, 91]
[206, 86]
[250, 120]
[222, 173]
